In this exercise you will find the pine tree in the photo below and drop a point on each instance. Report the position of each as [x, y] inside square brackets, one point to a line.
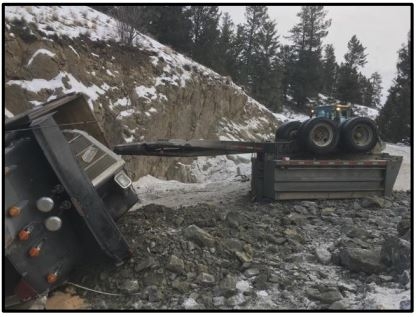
[356, 56]
[266, 71]
[376, 87]
[350, 80]
[255, 18]
[226, 58]
[307, 37]
[205, 33]
[366, 91]
[329, 71]
[394, 119]
[287, 58]
[170, 25]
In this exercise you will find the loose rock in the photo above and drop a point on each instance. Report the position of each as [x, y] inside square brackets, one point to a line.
[396, 254]
[323, 255]
[199, 236]
[361, 260]
[326, 296]
[175, 264]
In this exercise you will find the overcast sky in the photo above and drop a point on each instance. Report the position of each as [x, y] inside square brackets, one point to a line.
[381, 29]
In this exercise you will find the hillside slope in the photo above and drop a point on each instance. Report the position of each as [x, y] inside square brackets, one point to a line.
[143, 92]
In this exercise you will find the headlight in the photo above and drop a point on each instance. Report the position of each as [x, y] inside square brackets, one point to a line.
[123, 180]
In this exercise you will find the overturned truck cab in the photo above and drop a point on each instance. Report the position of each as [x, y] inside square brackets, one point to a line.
[64, 190]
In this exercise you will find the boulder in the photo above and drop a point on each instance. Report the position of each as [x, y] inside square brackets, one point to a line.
[396, 254]
[361, 260]
[372, 202]
[199, 236]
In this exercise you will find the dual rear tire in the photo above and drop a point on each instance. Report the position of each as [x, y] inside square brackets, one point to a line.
[323, 136]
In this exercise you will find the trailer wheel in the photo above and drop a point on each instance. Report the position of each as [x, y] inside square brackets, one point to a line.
[288, 131]
[319, 135]
[359, 134]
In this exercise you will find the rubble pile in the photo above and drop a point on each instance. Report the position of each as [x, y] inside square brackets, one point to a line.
[330, 254]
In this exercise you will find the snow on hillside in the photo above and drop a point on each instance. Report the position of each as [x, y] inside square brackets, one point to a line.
[289, 115]
[364, 111]
[76, 21]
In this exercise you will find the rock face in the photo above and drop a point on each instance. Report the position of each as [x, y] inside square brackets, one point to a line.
[143, 92]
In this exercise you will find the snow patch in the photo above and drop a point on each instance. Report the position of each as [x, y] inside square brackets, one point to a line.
[243, 286]
[37, 84]
[8, 113]
[190, 303]
[386, 298]
[363, 111]
[149, 93]
[75, 52]
[109, 73]
[40, 51]
[125, 113]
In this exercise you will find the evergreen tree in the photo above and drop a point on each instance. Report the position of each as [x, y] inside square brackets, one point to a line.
[394, 119]
[356, 56]
[266, 71]
[205, 33]
[255, 18]
[376, 83]
[307, 37]
[366, 91]
[329, 71]
[226, 58]
[287, 58]
[170, 25]
[350, 80]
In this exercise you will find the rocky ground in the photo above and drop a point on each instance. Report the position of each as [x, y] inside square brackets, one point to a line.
[233, 253]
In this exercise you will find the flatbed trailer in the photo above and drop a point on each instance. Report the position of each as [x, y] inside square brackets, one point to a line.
[283, 171]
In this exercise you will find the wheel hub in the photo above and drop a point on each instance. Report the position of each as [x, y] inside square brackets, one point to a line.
[362, 135]
[321, 135]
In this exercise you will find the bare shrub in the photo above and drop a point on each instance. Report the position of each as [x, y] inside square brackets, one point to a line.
[129, 20]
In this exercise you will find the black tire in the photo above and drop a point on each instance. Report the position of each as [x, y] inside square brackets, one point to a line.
[319, 135]
[288, 131]
[359, 135]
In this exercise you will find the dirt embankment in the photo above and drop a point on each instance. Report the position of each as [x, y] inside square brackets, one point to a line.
[142, 92]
